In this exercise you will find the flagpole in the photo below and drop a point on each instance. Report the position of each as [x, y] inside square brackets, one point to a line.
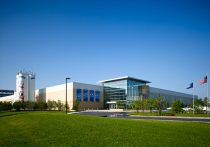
[207, 95]
[193, 100]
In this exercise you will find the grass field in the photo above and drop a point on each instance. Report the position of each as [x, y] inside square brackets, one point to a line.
[60, 129]
[169, 114]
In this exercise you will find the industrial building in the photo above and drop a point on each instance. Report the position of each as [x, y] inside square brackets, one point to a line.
[104, 95]
[109, 92]
[25, 88]
[129, 89]
[89, 96]
[7, 95]
[4, 93]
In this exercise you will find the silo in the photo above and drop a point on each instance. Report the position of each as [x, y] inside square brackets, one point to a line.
[31, 87]
[21, 86]
[25, 86]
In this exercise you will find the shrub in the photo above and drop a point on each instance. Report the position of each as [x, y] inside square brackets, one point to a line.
[40, 105]
[177, 106]
[60, 105]
[29, 105]
[5, 106]
[18, 105]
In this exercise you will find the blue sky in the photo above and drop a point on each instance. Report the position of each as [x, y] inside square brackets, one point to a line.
[165, 42]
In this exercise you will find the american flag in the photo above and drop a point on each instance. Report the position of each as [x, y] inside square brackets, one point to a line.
[204, 80]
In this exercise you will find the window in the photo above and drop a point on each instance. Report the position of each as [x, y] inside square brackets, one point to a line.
[79, 94]
[97, 96]
[92, 95]
[85, 95]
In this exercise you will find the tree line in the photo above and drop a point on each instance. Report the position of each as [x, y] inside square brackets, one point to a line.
[177, 106]
[160, 104]
[149, 104]
[38, 105]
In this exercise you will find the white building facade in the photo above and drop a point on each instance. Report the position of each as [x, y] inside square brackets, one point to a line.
[87, 95]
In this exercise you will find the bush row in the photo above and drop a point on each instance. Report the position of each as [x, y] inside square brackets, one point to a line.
[38, 105]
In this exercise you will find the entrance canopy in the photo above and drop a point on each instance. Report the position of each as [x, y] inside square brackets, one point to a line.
[112, 102]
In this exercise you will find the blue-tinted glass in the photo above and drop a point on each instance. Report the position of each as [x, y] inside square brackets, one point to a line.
[92, 95]
[97, 96]
[134, 90]
[79, 94]
[85, 95]
[123, 90]
[116, 90]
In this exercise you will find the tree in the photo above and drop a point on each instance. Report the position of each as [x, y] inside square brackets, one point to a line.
[18, 105]
[9, 106]
[136, 105]
[139, 104]
[29, 105]
[60, 105]
[198, 105]
[76, 105]
[4, 106]
[149, 103]
[54, 105]
[205, 102]
[143, 104]
[160, 104]
[35, 106]
[1, 106]
[49, 104]
[177, 106]
[23, 105]
[40, 105]
[121, 104]
[131, 105]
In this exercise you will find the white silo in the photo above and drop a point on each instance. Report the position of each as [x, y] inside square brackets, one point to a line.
[20, 86]
[25, 86]
[31, 87]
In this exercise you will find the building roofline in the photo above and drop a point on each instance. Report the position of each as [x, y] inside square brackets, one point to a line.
[172, 91]
[122, 78]
[64, 84]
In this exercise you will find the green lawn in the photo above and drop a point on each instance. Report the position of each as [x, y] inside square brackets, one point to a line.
[193, 115]
[60, 129]
[169, 114]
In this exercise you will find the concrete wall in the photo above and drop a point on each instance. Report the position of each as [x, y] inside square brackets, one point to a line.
[86, 105]
[59, 93]
[56, 93]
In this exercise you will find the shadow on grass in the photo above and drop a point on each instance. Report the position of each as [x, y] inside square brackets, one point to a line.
[4, 114]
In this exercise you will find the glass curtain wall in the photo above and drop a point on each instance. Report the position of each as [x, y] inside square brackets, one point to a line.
[116, 90]
[128, 90]
[134, 91]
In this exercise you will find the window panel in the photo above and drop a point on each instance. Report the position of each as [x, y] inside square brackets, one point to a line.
[92, 95]
[79, 94]
[85, 95]
[97, 96]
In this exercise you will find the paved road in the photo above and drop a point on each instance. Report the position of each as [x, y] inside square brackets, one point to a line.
[125, 115]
